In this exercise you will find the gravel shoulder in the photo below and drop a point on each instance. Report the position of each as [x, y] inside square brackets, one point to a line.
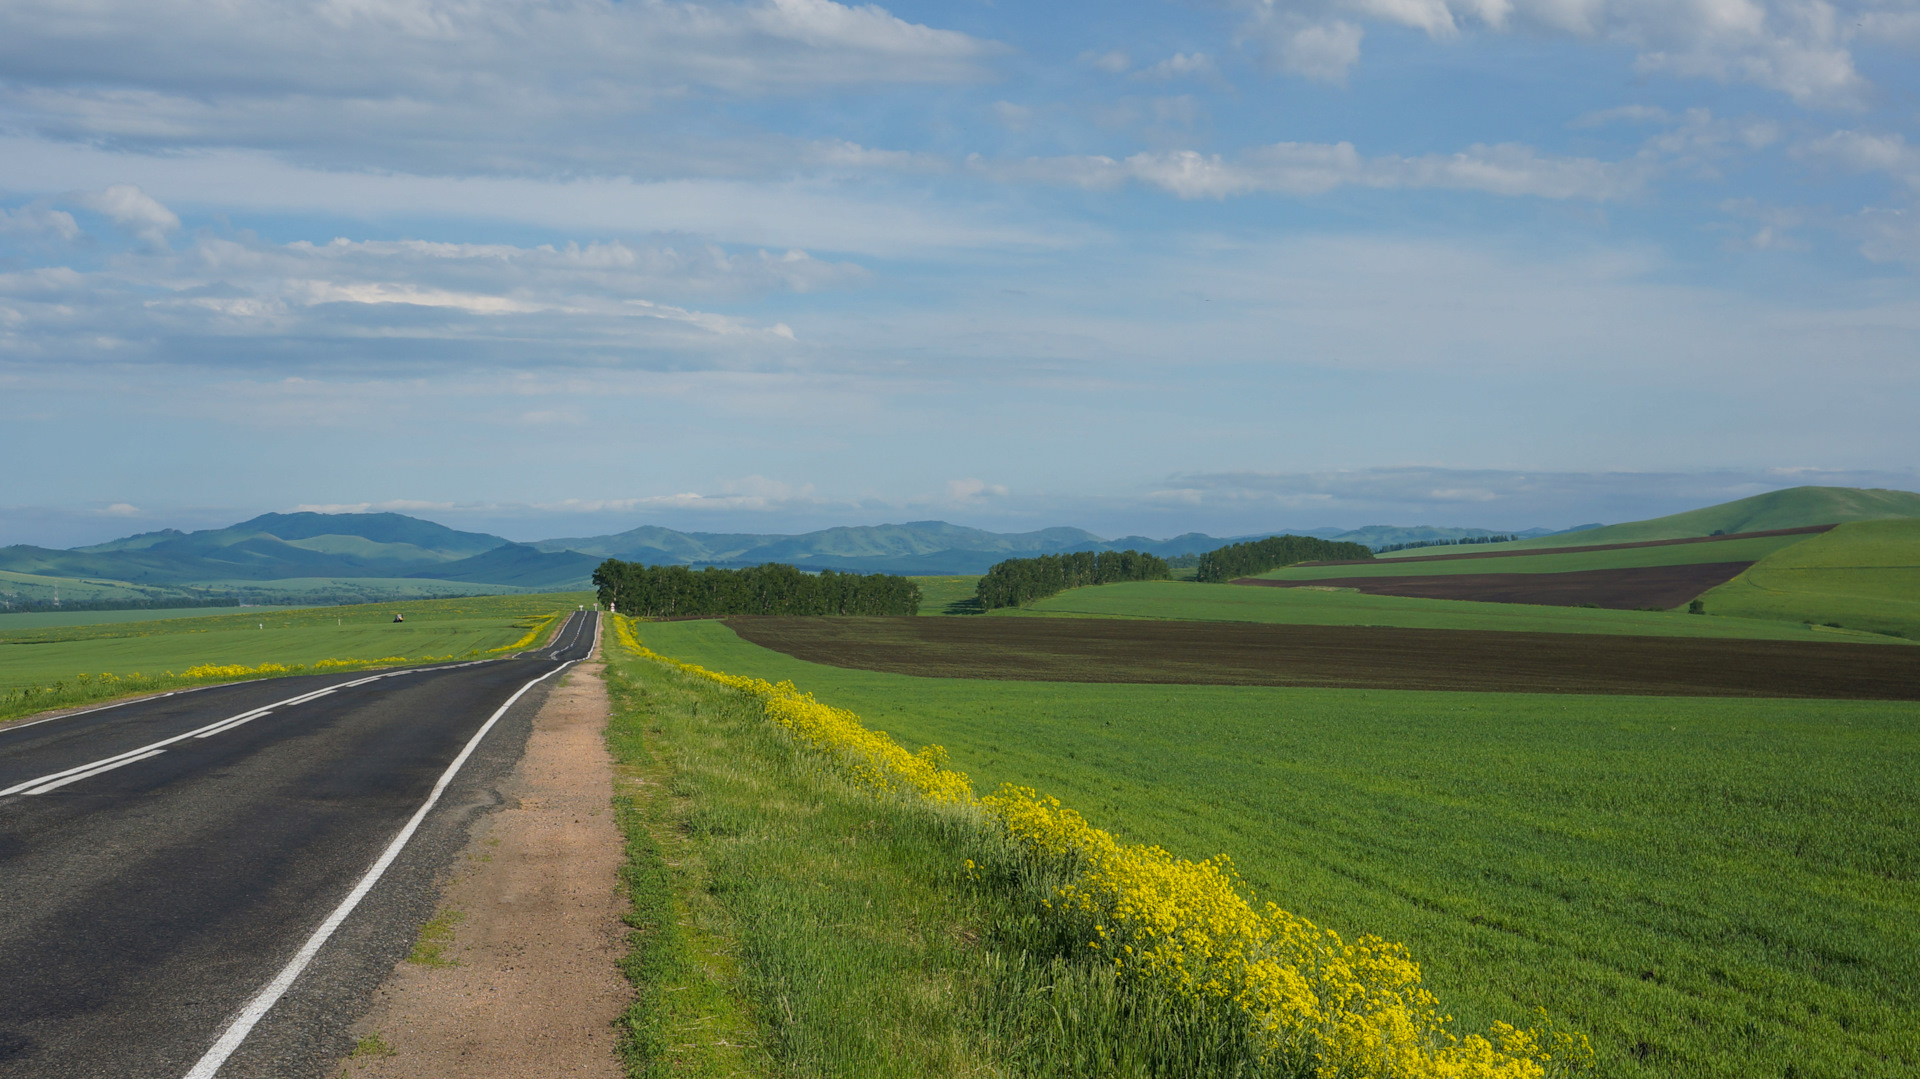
[521, 978]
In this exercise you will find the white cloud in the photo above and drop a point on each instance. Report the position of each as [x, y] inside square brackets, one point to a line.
[39, 220]
[1181, 65]
[1800, 48]
[1114, 62]
[1865, 152]
[1301, 168]
[972, 490]
[417, 303]
[139, 213]
[457, 86]
[827, 212]
[121, 509]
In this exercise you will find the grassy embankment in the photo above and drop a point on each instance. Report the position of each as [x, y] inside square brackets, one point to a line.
[787, 922]
[1708, 887]
[1864, 575]
[1312, 607]
[1681, 554]
[55, 667]
[1795, 507]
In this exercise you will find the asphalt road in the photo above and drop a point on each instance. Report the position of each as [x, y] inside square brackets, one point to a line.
[164, 862]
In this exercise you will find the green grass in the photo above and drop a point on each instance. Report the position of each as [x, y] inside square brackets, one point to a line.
[430, 948]
[1314, 607]
[1864, 575]
[61, 619]
[1740, 550]
[1724, 888]
[785, 922]
[1795, 507]
[948, 595]
[53, 659]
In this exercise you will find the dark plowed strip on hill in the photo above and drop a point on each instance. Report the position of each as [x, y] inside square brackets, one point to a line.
[1348, 657]
[1622, 589]
[1806, 530]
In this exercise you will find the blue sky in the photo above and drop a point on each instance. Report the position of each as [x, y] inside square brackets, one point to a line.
[567, 266]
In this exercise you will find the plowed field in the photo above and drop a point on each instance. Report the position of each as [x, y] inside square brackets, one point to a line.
[1632, 589]
[1356, 657]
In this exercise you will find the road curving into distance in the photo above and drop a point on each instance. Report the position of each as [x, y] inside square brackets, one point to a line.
[213, 882]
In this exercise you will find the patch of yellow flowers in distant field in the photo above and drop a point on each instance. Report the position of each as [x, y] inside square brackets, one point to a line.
[1345, 1009]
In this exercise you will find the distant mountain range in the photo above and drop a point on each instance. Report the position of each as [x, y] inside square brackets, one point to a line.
[329, 556]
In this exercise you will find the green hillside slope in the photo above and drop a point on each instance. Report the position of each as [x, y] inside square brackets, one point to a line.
[1864, 575]
[1795, 507]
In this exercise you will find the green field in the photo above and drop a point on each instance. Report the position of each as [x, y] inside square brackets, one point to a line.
[50, 656]
[1723, 888]
[948, 595]
[1683, 554]
[19, 620]
[1864, 575]
[1331, 607]
[1795, 507]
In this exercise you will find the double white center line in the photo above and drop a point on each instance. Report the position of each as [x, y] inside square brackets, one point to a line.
[56, 780]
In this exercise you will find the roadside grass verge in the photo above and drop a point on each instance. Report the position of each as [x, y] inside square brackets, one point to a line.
[1721, 888]
[832, 931]
[69, 666]
[785, 923]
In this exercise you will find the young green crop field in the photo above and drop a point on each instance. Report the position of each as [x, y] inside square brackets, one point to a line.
[1723, 888]
[1864, 575]
[1679, 554]
[25, 620]
[433, 628]
[1313, 607]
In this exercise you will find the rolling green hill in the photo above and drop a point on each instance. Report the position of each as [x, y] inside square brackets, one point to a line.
[1864, 575]
[1795, 507]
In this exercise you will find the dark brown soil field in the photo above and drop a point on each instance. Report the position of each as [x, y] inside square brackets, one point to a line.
[1804, 530]
[1348, 657]
[1633, 589]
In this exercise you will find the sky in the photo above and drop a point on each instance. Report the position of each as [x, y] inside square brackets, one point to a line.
[563, 267]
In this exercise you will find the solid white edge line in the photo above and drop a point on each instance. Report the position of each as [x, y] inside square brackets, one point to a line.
[45, 787]
[264, 1000]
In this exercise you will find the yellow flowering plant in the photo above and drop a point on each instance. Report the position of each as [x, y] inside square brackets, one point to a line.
[1308, 1001]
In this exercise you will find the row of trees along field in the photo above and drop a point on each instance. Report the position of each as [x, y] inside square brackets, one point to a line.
[1019, 581]
[665, 591]
[1463, 541]
[1259, 556]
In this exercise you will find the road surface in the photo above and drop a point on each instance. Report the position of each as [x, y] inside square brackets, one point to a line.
[213, 882]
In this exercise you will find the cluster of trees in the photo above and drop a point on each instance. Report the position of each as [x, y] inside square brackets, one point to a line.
[1019, 581]
[665, 591]
[1259, 556]
[1446, 542]
[11, 602]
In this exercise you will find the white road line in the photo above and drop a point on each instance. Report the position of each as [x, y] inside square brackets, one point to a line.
[264, 1000]
[142, 753]
[234, 722]
[108, 767]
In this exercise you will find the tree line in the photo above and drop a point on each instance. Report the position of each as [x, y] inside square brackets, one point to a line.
[1446, 542]
[1259, 556]
[665, 591]
[1019, 581]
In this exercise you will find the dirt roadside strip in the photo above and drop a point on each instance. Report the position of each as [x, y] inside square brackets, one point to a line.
[525, 984]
